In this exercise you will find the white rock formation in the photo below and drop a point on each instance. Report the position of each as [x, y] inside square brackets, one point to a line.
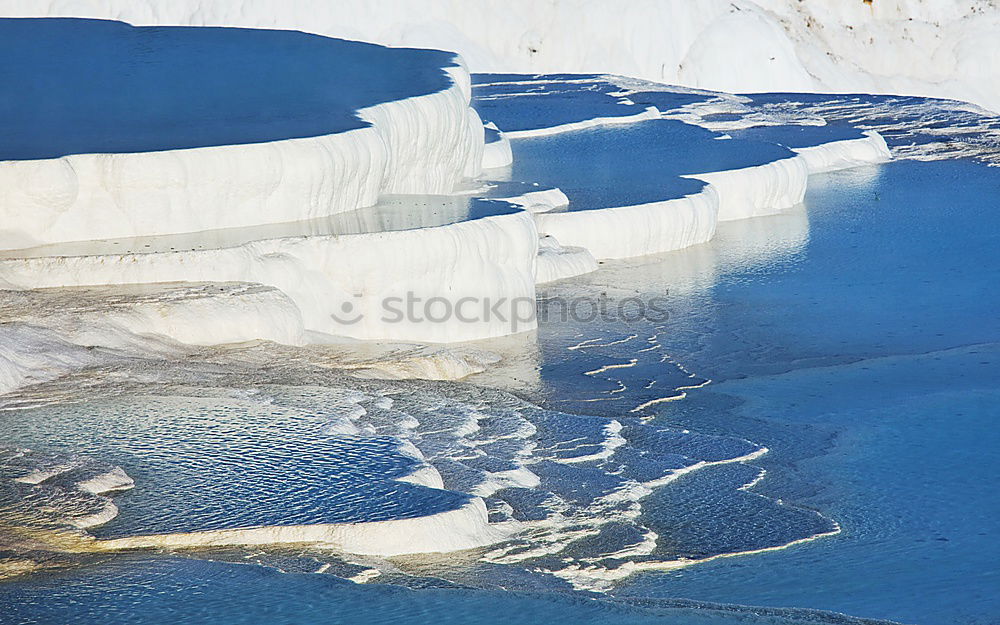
[760, 190]
[29, 355]
[497, 153]
[464, 528]
[46, 334]
[466, 280]
[456, 280]
[424, 144]
[556, 262]
[626, 231]
[845, 154]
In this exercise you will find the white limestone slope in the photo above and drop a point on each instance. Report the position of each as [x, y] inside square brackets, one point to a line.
[556, 262]
[48, 333]
[148, 317]
[759, 190]
[497, 153]
[30, 355]
[247, 214]
[353, 285]
[937, 48]
[845, 154]
[423, 144]
[626, 231]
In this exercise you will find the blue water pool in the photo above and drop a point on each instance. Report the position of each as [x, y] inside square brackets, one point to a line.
[75, 86]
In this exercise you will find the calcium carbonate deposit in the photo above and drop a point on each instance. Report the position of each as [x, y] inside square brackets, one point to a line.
[370, 312]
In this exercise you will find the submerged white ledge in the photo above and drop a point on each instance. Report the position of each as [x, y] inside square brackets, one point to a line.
[464, 528]
[648, 113]
[353, 285]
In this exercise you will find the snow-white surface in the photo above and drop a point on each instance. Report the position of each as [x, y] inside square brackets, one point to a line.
[423, 144]
[939, 48]
[221, 314]
[556, 262]
[44, 335]
[845, 154]
[340, 284]
[625, 231]
[29, 355]
[647, 113]
[497, 153]
[760, 190]
[540, 201]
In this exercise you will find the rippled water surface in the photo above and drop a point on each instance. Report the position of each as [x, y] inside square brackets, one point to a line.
[852, 339]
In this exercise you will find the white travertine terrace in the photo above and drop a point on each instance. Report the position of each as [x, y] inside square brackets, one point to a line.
[422, 144]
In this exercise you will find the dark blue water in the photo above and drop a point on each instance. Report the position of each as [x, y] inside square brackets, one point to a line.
[865, 356]
[157, 590]
[883, 334]
[634, 164]
[528, 102]
[74, 86]
[911, 125]
[799, 136]
[909, 475]
[525, 102]
[617, 165]
[205, 463]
